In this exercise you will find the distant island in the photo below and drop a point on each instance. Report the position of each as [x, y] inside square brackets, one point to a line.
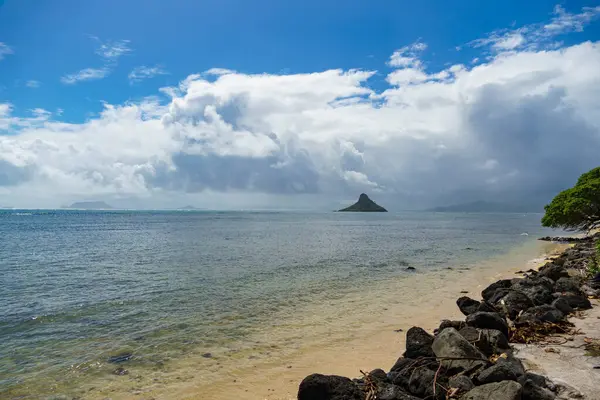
[188, 207]
[90, 205]
[364, 204]
[484, 206]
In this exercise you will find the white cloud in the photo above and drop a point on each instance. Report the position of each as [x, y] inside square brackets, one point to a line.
[112, 50]
[138, 74]
[539, 35]
[32, 84]
[86, 74]
[407, 56]
[520, 125]
[5, 50]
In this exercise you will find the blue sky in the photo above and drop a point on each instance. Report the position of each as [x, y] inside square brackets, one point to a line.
[68, 62]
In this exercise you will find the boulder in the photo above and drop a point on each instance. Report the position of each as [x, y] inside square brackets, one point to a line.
[401, 363]
[328, 387]
[418, 343]
[378, 375]
[507, 390]
[403, 370]
[388, 391]
[531, 391]
[458, 325]
[497, 373]
[467, 305]
[568, 285]
[498, 295]
[538, 289]
[488, 320]
[539, 380]
[461, 382]
[515, 302]
[489, 291]
[515, 364]
[545, 313]
[450, 344]
[563, 305]
[553, 271]
[492, 341]
[421, 384]
[485, 306]
[576, 301]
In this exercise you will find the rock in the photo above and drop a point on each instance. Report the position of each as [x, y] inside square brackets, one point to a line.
[489, 291]
[449, 343]
[553, 271]
[567, 285]
[589, 291]
[515, 364]
[467, 305]
[421, 384]
[576, 301]
[121, 357]
[563, 305]
[328, 387]
[378, 374]
[418, 343]
[207, 355]
[403, 370]
[364, 204]
[539, 380]
[531, 391]
[498, 295]
[507, 390]
[401, 363]
[120, 371]
[461, 382]
[492, 341]
[545, 313]
[515, 302]
[538, 289]
[458, 325]
[488, 320]
[388, 391]
[484, 306]
[497, 373]
[470, 333]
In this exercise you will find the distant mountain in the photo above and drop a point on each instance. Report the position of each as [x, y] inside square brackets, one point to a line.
[484, 206]
[188, 208]
[90, 205]
[364, 204]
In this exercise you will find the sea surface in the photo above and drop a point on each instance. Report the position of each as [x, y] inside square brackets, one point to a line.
[165, 289]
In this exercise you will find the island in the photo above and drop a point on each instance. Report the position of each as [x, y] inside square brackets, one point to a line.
[364, 204]
[90, 205]
[188, 208]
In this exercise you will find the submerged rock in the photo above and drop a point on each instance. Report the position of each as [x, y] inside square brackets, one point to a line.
[364, 204]
[121, 357]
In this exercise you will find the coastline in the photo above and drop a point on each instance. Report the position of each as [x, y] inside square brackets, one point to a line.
[373, 342]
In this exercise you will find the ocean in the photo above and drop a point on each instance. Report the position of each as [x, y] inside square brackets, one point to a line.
[184, 297]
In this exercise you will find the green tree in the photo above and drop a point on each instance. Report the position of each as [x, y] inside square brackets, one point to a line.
[577, 208]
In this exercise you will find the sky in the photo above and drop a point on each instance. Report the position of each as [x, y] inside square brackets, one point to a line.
[233, 104]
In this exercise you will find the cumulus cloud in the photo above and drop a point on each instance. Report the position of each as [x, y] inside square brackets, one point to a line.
[5, 50]
[517, 127]
[143, 72]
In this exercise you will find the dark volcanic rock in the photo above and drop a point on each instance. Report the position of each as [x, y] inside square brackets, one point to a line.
[451, 344]
[461, 382]
[531, 391]
[515, 364]
[576, 301]
[328, 387]
[388, 391]
[507, 390]
[545, 313]
[458, 325]
[486, 307]
[378, 374]
[488, 320]
[538, 289]
[492, 341]
[515, 302]
[538, 380]
[553, 271]
[563, 305]
[121, 357]
[403, 370]
[568, 285]
[364, 204]
[497, 373]
[489, 291]
[418, 343]
[467, 305]
[421, 384]
[401, 363]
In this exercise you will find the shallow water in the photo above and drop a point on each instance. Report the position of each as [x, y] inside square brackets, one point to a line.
[248, 288]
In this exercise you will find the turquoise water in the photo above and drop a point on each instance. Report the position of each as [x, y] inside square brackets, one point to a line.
[80, 286]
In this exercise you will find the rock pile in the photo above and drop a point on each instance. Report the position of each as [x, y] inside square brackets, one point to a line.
[472, 359]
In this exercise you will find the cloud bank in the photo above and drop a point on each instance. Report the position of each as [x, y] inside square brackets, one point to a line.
[516, 128]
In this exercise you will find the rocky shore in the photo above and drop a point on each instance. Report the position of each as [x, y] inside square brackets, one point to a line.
[476, 358]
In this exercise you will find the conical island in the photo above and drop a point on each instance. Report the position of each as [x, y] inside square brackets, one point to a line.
[364, 204]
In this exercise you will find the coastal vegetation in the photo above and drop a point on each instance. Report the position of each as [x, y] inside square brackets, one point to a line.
[576, 208]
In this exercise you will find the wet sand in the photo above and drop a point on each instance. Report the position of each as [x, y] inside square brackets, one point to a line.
[353, 332]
